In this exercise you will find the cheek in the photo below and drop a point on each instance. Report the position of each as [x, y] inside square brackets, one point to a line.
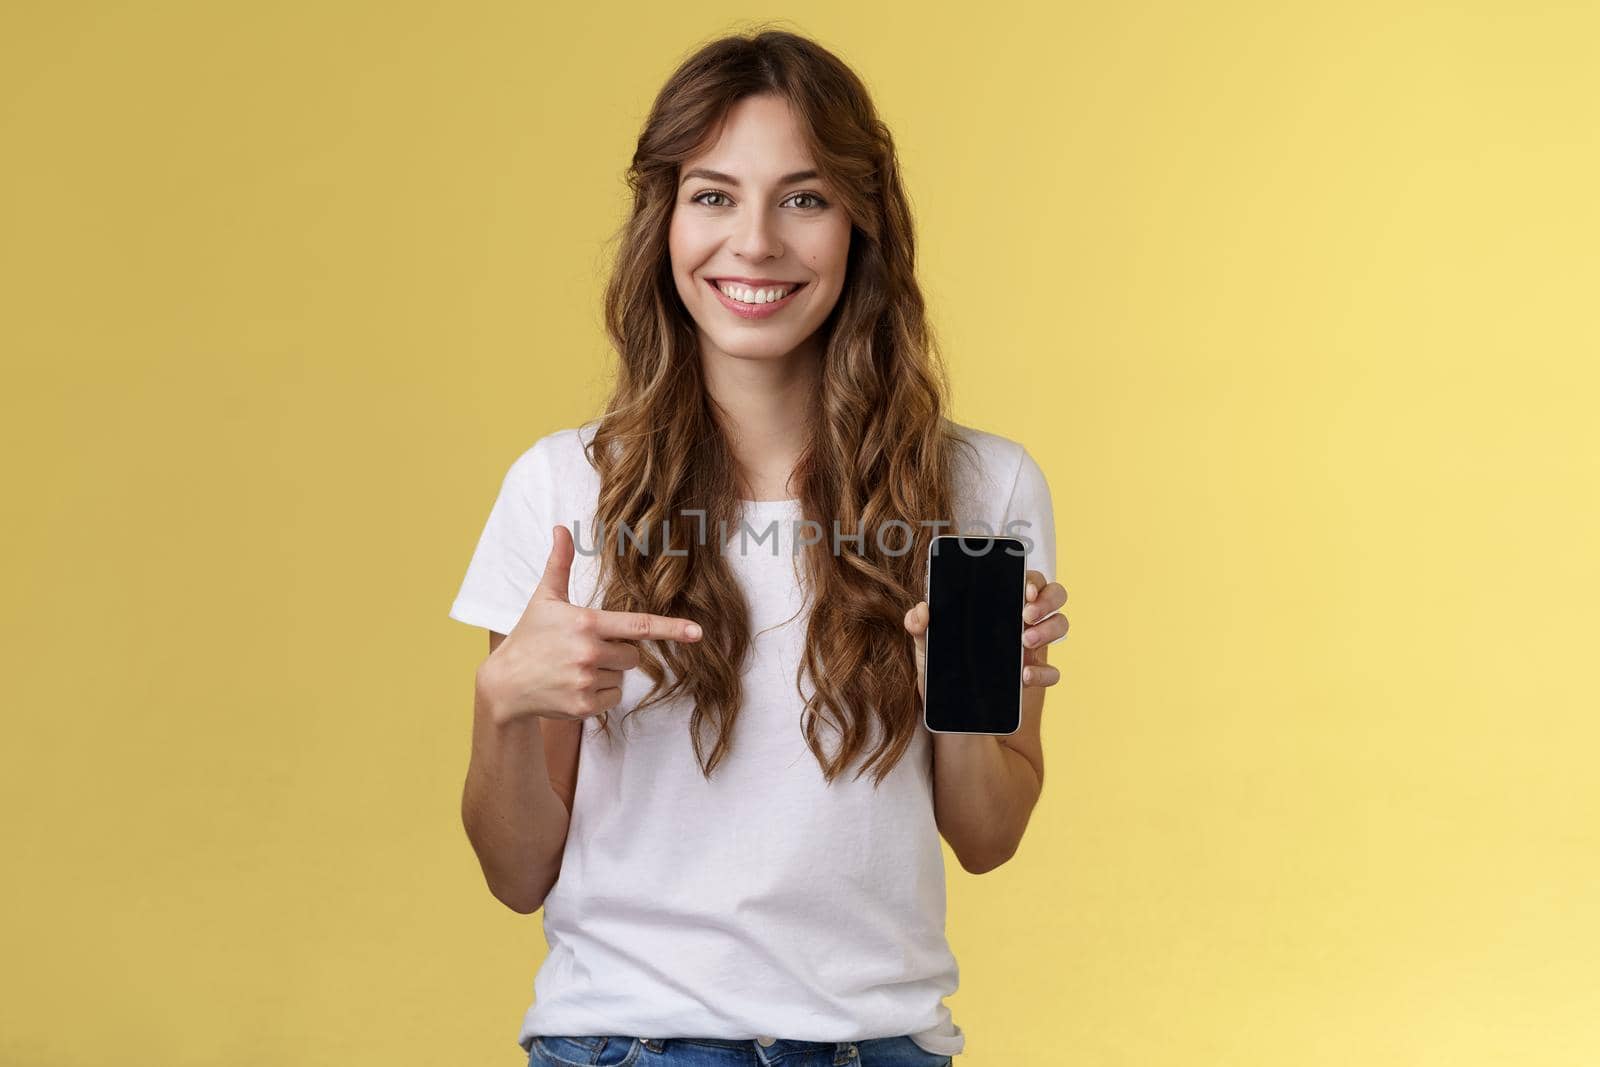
[677, 247]
[832, 253]
[684, 244]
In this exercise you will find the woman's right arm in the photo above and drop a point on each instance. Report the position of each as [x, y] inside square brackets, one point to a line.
[559, 665]
[518, 797]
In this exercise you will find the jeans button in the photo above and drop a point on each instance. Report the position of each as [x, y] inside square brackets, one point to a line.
[765, 1041]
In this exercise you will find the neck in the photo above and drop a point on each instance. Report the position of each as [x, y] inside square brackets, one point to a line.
[766, 407]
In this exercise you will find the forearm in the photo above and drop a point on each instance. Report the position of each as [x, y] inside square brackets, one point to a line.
[514, 818]
[983, 795]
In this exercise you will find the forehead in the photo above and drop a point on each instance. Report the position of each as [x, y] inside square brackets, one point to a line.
[760, 139]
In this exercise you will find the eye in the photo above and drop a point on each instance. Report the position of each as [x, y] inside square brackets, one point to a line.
[709, 192]
[820, 203]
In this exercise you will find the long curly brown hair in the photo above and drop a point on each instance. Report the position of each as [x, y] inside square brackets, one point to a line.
[880, 448]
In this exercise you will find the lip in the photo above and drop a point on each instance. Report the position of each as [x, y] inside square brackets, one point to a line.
[754, 311]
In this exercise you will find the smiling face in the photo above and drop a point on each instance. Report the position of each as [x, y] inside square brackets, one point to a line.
[752, 214]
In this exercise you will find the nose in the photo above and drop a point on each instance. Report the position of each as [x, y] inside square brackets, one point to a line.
[757, 236]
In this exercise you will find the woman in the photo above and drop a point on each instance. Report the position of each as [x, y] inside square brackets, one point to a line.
[737, 844]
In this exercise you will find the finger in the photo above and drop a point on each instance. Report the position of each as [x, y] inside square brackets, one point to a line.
[1051, 600]
[1051, 629]
[553, 583]
[606, 699]
[617, 655]
[1041, 674]
[607, 679]
[642, 626]
[917, 619]
[1035, 582]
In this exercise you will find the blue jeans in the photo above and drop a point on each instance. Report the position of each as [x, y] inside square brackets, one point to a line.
[616, 1051]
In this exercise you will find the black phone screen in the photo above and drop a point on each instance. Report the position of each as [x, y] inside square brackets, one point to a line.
[973, 664]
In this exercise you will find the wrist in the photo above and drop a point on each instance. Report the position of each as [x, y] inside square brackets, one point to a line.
[488, 692]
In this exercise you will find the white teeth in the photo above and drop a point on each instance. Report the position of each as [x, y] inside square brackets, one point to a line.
[744, 294]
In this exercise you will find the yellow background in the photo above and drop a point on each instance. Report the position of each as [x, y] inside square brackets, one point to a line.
[1295, 304]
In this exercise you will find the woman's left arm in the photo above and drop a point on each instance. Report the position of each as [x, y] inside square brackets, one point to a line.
[985, 786]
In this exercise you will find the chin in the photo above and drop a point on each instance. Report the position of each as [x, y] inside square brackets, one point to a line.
[756, 347]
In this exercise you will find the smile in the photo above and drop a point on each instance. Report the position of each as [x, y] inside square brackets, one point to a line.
[759, 309]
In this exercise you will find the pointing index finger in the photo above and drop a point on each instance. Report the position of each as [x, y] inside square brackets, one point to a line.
[643, 626]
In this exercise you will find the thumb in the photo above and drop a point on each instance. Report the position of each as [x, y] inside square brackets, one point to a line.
[916, 622]
[555, 581]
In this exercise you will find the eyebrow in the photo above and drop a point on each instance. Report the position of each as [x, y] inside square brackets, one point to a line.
[728, 179]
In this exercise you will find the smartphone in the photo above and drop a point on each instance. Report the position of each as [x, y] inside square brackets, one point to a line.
[972, 669]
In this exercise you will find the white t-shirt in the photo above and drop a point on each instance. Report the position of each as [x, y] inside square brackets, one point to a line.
[763, 902]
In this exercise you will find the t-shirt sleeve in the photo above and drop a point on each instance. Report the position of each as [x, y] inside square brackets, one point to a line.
[1030, 515]
[513, 548]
